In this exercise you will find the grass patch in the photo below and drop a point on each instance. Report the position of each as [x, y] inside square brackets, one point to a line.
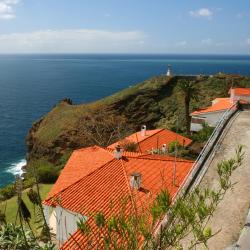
[11, 205]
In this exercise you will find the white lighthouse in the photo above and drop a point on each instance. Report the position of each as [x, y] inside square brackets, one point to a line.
[169, 71]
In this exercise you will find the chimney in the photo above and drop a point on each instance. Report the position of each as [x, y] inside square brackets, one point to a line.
[135, 180]
[143, 130]
[118, 152]
[164, 148]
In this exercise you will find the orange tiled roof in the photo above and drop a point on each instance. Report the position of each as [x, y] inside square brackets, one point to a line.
[153, 139]
[241, 91]
[220, 104]
[106, 180]
[81, 163]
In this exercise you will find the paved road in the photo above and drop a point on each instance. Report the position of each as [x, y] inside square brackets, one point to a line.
[231, 214]
[244, 239]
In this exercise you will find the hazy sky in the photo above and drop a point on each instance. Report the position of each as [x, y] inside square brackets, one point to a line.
[125, 26]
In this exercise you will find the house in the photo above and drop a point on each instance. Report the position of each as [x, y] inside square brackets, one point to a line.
[148, 140]
[95, 177]
[210, 115]
[240, 94]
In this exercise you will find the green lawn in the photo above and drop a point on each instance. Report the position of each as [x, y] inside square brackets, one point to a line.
[11, 204]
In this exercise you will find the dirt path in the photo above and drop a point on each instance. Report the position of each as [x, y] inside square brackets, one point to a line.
[231, 213]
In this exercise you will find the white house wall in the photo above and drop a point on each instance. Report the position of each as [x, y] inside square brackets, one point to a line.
[195, 127]
[210, 118]
[241, 97]
[61, 221]
[66, 223]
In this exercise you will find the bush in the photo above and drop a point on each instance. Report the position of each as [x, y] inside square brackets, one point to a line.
[27, 183]
[171, 147]
[47, 174]
[204, 134]
[7, 192]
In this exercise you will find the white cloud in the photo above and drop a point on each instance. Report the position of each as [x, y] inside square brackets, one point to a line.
[6, 9]
[203, 12]
[248, 41]
[72, 40]
[207, 41]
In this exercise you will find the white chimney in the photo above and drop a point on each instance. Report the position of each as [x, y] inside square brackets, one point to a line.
[143, 130]
[135, 180]
[164, 148]
[118, 152]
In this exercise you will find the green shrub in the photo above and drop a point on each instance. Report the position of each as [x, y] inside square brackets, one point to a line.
[47, 174]
[45, 171]
[7, 192]
[64, 158]
[204, 134]
[172, 145]
[27, 183]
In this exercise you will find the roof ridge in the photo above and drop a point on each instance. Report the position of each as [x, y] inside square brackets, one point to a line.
[160, 129]
[85, 148]
[136, 154]
[158, 159]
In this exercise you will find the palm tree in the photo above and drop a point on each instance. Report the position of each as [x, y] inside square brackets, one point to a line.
[189, 91]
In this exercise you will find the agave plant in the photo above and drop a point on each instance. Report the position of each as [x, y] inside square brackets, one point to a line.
[11, 237]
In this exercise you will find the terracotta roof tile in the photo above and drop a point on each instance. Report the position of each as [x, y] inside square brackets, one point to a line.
[83, 162]
[111, 183]
[220, 105]
[104, 183]
[241, 91]
[153, 139]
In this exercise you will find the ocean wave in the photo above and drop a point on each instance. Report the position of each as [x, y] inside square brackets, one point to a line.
[16, 167]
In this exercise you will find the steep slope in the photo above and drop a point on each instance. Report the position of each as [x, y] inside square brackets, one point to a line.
[155, 102]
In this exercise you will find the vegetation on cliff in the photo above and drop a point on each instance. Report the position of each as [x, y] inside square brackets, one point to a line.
[157, 102]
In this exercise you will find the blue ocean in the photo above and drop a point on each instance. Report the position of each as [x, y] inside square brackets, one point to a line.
[30, 85]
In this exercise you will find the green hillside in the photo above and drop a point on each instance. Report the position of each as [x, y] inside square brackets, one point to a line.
[156, 102]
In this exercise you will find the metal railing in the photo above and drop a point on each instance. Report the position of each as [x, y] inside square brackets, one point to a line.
[204, 154]
[201, 159]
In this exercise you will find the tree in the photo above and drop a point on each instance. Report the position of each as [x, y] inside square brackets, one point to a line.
[165, 223]
[189, 92]
[102, 127]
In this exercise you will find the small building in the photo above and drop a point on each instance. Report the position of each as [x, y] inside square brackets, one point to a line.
[148, 140]
[210, 115]
[240, 94]
[97, 179]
